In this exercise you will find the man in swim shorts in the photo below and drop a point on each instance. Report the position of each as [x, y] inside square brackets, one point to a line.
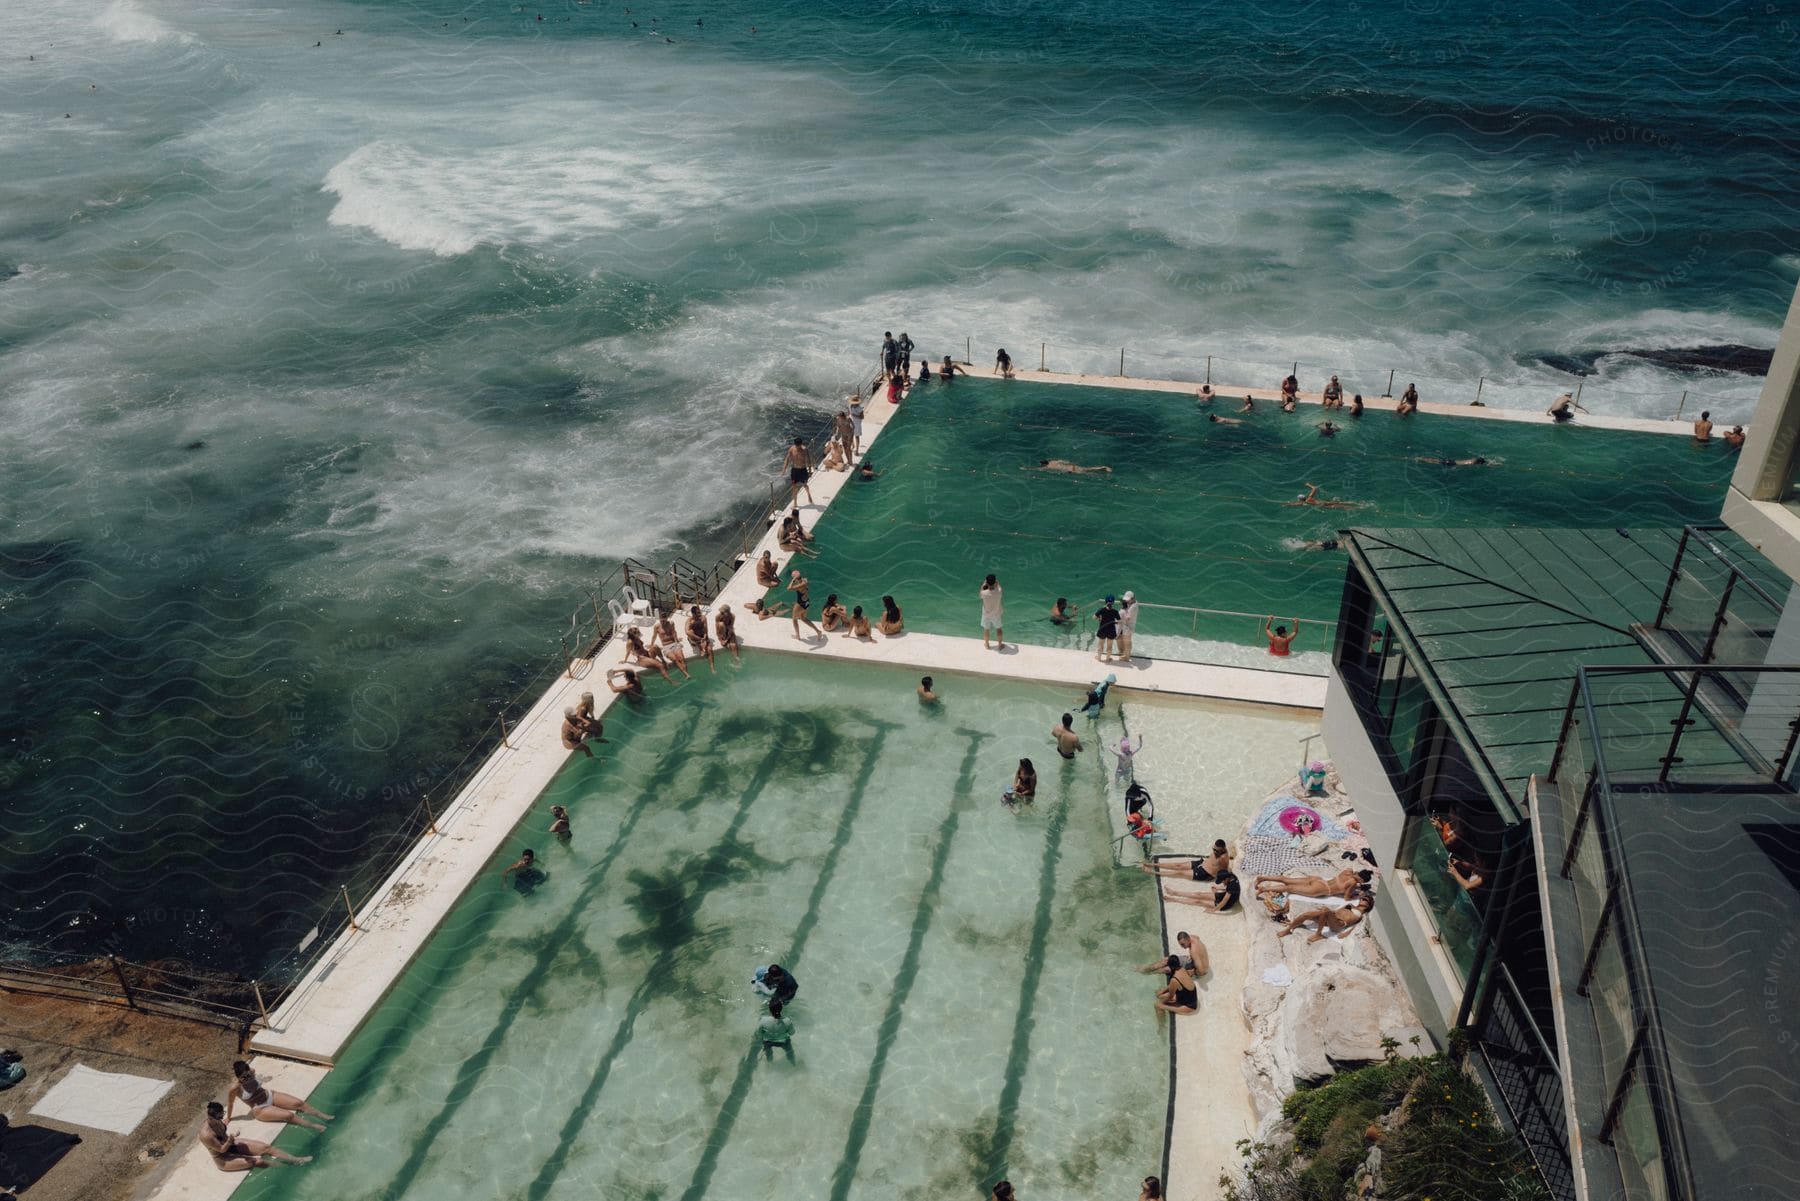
[1067, 740]
[799, 469]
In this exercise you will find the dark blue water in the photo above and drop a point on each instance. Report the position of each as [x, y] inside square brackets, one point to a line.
[332, 376]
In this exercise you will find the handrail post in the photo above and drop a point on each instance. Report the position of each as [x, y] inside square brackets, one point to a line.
[1682, 405]
[1662, 610]
[1209, 371]
[1718, 624]
[430, 817]
[124, 984]
[1121, 362]
[1480, 383]
[1041, 349]
[1681, 723]
[345, 890]
[504, 736]
[261, 1007]
[1390, 388]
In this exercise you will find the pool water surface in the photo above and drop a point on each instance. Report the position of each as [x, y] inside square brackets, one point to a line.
[966, 1006]
[1200, 514]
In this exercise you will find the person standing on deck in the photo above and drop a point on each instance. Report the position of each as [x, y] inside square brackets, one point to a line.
[905, 347]
[799, 468]
[1003, 363]
[856, 420]
[1128, 615]
[890, 354]
[992, 614]
[1107, 635]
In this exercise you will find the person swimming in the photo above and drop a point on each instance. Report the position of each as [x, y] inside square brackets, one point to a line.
[1218, 420]
[1064, 465]
[1476, 461]
[1311, 497]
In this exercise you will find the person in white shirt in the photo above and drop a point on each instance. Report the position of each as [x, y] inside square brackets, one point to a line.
[991, 613]
[1128, 615]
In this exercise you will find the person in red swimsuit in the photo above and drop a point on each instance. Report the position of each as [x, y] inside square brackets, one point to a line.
[1279, 637]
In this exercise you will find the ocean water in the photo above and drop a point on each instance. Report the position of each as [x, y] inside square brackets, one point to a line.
[334, 366]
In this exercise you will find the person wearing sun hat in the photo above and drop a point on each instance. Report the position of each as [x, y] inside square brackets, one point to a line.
[1128, 615]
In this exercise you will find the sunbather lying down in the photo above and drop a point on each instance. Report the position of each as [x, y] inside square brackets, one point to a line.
[1343, 884]
[1328, 922]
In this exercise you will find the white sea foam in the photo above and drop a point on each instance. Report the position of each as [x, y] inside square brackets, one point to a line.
[125, 21]
[449, 203]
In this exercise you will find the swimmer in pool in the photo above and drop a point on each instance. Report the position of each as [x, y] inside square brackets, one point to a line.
[1218, 420]
[1060, 613]
[559, 821]
[926, 695]
[1249, 404]
[1311, 497]
[1064, 465]
[1067, 740]
[525, 863]
[1321, 544]
[1204, 395]
[623, 679]
[1477, 461]
[1327, 430]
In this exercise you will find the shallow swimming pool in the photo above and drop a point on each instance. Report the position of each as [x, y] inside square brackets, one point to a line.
[1197, 514]
[966, 1008]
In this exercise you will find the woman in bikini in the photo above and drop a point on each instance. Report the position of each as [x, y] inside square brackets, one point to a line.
[265, 1105]
[891, 621]
[698, 637]
[644, 656]
[1179, 995]
[1344, 884]
[238, 1154]
[1329, 921]
[834, 616]
[666, 642]
[859, 625]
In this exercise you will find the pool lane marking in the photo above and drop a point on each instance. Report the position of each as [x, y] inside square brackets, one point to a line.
[438, 980]
[1024, 1017]
[845, 1173]
[720, 1135]
[469, 1074]
[664, 962]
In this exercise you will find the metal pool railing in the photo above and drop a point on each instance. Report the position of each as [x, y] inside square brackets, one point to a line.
[1183, 633]
[1236, 371]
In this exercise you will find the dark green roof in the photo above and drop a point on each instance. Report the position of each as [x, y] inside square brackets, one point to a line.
[1505, 616]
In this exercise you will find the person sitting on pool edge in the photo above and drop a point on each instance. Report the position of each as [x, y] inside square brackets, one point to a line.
[1222, 899]
[1189, 950]
[891, 622]
[625, 680]
[859, 625]
[1179, 995]
[1199, 868]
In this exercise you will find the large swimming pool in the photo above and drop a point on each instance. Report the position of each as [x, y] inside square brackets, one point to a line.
[966, 1005]
[1198, 514]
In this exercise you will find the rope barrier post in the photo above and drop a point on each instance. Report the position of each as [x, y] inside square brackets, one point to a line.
[1682, 405]
[1480, 383]
[260, 1006]
[1390, 387]
[345, 889]
[124, 984]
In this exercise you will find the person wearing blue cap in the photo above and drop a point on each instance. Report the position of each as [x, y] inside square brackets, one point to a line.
[1107, 619]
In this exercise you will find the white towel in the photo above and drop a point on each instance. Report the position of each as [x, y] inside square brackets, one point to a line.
[1278, 975]
[101, 1100]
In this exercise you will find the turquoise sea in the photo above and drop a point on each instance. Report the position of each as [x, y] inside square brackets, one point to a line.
[343, 345]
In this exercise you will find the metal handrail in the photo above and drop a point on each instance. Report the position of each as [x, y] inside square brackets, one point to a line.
[1642, 993]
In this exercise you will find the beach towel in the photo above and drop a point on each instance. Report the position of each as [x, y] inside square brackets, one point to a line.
[101, 1100]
